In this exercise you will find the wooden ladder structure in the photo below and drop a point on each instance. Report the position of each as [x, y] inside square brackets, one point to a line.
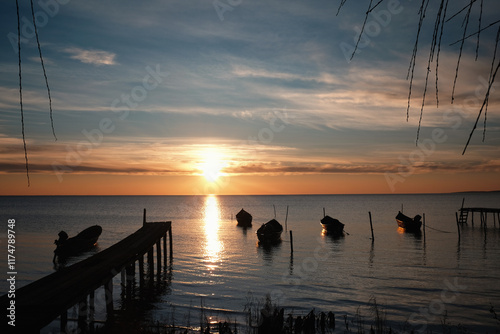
[464, 214]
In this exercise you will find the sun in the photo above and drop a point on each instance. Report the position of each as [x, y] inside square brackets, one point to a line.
[212, 165]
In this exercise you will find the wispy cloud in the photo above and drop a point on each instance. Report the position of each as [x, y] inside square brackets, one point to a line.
[96, 57]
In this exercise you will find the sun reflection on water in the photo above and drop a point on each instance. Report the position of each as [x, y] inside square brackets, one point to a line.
[213, 245]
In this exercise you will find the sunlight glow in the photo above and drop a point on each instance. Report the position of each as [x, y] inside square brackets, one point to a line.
[212, 164]
[213, 245]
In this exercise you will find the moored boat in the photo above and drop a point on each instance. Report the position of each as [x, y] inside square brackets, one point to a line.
[270, 232]
[244, 219]
[409, 224]
[332, 226]
[83, 241]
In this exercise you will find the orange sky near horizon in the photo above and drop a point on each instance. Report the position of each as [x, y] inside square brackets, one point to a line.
[100, 184]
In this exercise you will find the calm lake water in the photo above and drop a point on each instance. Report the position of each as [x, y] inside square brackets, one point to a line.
[218, 269]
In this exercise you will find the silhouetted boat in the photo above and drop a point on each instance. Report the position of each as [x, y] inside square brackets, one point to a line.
[409, 224]
[270, 232]
[83, 241]
[244, 219]
[332, 226]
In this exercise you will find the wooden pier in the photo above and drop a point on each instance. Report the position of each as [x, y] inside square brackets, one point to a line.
[40, 302]
[483, 215]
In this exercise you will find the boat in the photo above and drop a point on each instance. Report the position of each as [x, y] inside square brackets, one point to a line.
[244, 219]
[83, 241]
[270, 232]
[332, 226]
[409, 224]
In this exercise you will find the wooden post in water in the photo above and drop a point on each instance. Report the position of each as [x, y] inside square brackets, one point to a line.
[64, 321]
[158, 257]
[82, 314]
[458, 226]
[286, 218]
[92, 310]
[291, 241]
[141, 269]
[274, 206]
[108, 293]
[165, 250]
[151, 264]
[324, 213]
[424, 224]
[144, 217]
[170, 240]
[371, 225]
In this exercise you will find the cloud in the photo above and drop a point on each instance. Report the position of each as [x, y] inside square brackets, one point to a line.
[96, 57]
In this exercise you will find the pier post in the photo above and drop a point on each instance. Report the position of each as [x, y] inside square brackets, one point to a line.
[108, 293]
[64, 321]
[170, 241]
[123, 277]
[291, 241]
[141, 269]
[458, 226]
[151, 263]
[92, 310]
[82, 314]
[158, 257]
[144, 217]
[165, 250]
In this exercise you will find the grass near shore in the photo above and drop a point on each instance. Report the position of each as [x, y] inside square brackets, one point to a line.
[263, 317]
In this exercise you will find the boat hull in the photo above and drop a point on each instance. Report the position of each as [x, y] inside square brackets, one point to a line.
[409, 224]
[270, 232]
[332, 226]
[82, 242]
[244, 219]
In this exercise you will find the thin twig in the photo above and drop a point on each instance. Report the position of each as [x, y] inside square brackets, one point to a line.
[340, 6]
[43, 68]
[411, 68]
[21, 91]
[477, 32]
[490, 82]
[439, 50]
[362, 29]
[486, 97]
[460, 52]
[431, 56]
[480, 16]
[461, 10]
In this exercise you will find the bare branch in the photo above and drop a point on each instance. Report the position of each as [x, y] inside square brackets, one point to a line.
[467, 16]
[43, 68]
[362, 29]
[411, 68]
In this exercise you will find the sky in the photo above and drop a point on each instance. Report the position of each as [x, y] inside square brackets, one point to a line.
[244, 97]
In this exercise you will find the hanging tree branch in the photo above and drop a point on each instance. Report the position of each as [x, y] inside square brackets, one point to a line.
[21, 90]
[43, 68]
[411, 67]
[466, 20]
[431, 56]
[362, 29]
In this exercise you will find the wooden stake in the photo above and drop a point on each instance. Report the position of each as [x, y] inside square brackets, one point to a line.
[274, 206]
[144, 218]
[324, 213]
[458, 226]
[371, 225]
[286, 218]
[424, 224]
[291, 241]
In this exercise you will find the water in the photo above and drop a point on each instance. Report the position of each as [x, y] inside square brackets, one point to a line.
[218, 268]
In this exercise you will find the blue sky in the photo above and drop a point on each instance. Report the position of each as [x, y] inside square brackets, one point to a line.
[262, 88]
